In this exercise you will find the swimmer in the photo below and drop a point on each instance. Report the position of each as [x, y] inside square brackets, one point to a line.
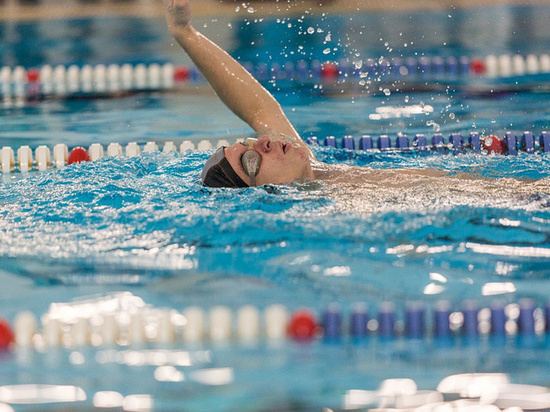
[278, 154]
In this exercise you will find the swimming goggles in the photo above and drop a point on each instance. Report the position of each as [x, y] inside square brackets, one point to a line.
[217, 171]
[251, 161]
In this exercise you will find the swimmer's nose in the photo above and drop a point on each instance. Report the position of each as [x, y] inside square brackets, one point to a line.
[263, 144]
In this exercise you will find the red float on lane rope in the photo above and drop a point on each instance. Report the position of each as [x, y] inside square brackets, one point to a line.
[6, 335]
[33, 76]
[329, 71]
[303, 325]
[181, 73]
[78, 154]
[493, 144]
[477, 66]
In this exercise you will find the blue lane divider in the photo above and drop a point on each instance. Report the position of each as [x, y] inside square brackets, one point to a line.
[442, 325]
[332, 322]
[511, 142]
[474, 142]
[526, 321]
[359, 321]
[438, 143]
[455, 141]
[402, 142]
[433, 68]
[498, 319]
[528, 143]
[365, 143]
[544, 142]
[109, 79]
[455, 144]
[470, 325]
[383, 143]
[386, 320]
[348, 142]
[412, 321]
[420, 143]
[330, 141]
[312, 140]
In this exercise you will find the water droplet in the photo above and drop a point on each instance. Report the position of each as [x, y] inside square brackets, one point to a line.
[310, 30]
[387, 92]
[326, 51]
[436, 127]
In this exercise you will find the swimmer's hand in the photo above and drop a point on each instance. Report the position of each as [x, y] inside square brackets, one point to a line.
[178, 14]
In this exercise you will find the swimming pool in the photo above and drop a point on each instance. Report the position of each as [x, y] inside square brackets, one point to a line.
[122, 236]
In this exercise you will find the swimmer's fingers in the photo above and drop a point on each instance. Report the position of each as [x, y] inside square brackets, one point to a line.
[178, 13]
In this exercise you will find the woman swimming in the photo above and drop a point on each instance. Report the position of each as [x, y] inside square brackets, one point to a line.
[278, 154]
[282, 155]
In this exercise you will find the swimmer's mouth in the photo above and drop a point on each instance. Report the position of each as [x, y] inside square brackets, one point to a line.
[285, 147]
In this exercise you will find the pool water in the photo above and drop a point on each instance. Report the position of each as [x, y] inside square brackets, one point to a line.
[145, 226]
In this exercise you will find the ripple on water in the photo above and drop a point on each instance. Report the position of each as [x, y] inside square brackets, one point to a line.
[148, 215]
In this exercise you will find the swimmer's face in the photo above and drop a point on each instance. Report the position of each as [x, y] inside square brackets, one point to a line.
[282, 162]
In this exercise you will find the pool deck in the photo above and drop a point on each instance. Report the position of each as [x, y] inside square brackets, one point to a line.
[13, 10]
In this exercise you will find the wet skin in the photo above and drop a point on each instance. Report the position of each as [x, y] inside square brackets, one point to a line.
[282, 162]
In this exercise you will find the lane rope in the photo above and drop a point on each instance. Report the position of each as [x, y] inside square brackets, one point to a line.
[24, 159]
[128, 320]
[21, 84]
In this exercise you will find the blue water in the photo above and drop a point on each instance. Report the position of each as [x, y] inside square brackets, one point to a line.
[151, 217]
[146, 226]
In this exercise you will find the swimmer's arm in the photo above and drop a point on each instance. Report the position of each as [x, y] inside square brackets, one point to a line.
[235, 86]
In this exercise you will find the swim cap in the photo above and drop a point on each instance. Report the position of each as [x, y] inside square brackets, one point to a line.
[217, 172]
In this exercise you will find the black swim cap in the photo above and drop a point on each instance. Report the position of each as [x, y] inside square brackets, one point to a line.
[217, 172]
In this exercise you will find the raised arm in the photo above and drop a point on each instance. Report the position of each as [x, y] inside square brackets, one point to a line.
[235, 86]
